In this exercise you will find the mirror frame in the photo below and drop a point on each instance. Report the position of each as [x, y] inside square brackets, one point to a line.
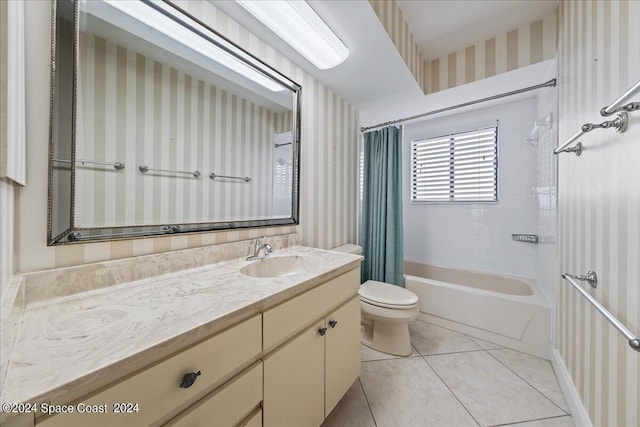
[73, 234]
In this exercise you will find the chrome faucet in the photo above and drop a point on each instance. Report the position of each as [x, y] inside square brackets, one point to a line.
[259, 247]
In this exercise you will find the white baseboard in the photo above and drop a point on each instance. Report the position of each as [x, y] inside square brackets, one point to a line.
[578, 411]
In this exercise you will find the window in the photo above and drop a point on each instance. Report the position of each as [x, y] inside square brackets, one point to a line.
[461, 167]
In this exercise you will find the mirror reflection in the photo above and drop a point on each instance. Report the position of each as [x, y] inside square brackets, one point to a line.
[172, 127]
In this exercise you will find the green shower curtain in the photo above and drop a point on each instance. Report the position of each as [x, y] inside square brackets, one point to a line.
[381, 225]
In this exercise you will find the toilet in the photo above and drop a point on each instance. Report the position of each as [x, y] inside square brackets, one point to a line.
[386, 311]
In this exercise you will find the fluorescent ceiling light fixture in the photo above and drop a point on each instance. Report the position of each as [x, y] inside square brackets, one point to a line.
[164, 24]
[298, 24]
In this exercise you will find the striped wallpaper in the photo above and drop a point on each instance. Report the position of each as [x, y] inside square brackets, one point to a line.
[329, 135]
[393, 21]
[7, 206]
[143, 112]
[531, 43]
[599, 207]
[523, 46]
[12, 90]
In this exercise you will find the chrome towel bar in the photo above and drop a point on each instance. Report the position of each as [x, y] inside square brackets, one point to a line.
[116, 165]
[575, 149]
[634, 341]
[145, 169]
[619, 124]
[244, 178]
[619, 104]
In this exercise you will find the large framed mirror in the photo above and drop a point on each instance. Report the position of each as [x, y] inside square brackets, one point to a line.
[160, 125]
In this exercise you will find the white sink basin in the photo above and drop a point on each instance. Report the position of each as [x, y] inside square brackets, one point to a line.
[277, 267]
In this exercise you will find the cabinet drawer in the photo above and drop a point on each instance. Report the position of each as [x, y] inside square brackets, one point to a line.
[156, 390]
[228, 405]
[290, 317]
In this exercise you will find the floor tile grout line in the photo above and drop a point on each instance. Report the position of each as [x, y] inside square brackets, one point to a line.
[461, 333]
[451, 352]
[472, 338]
[422, 355]
[530, 421]
[368, 404]
[451, 391]
[417, 354]
[529, 384]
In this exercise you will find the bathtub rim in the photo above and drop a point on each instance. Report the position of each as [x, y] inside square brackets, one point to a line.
[537, 297]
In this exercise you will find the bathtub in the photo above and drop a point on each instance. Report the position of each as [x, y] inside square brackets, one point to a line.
[506, 310]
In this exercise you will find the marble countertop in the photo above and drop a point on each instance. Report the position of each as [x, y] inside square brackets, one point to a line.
[70, 342]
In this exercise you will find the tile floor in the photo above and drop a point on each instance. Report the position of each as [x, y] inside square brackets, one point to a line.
[452, 380]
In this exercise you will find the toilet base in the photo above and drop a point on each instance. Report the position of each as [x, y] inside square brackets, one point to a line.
[387, 337]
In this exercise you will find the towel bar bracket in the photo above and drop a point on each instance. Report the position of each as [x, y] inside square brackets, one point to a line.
[619, 123]
[577, 149]
[591, 277]
[633, 106]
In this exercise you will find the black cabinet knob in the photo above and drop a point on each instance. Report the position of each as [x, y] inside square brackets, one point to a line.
[189, 379]
[322, 331]
[333, 323]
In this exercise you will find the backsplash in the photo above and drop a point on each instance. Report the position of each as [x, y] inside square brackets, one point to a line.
[66, 281]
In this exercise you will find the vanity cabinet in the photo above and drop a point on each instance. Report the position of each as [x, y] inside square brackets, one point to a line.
[157, 389]
[286, 366]
[306, 377]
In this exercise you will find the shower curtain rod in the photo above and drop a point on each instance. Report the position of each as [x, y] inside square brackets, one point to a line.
[550, 83]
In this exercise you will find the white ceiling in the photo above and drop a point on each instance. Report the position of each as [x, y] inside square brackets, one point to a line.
[441, 27]
[374, 69]
[374, 76]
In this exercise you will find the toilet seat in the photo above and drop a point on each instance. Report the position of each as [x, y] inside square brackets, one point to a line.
[387, 296]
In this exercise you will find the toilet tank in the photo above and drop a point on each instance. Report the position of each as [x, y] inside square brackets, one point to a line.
[349, 248]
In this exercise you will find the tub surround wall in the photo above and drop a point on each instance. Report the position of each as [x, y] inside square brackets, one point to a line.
[478, 235]
[599, 208]
[328, 160]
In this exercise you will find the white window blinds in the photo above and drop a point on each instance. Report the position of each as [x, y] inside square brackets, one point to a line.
[461, 167]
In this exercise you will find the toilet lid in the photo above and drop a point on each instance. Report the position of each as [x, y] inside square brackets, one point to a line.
[379, 293]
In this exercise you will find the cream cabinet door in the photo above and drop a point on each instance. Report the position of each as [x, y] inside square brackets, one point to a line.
[294, 381]
[342, 352]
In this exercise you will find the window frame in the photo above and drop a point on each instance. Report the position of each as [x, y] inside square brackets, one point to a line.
[451, 135]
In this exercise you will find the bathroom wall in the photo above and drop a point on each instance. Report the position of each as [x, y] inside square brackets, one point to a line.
[478, 235]
[7, 200]
[523, 46]
[393, 21]
[328, 159]
[599, 207]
